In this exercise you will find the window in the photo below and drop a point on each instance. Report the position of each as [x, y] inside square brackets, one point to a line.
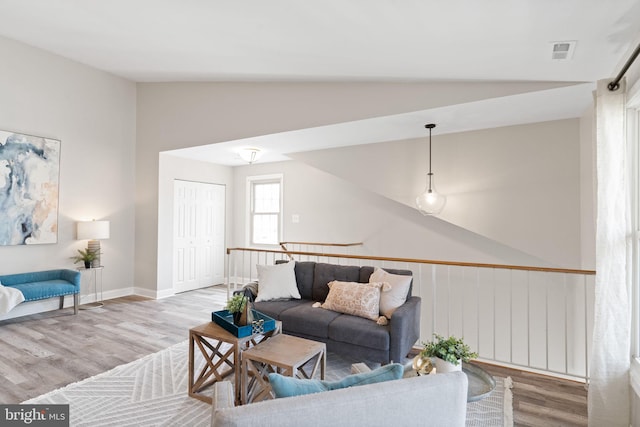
[633, 122]
[265, 209]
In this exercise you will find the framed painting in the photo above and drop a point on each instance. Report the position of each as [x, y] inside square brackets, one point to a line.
[29, 175]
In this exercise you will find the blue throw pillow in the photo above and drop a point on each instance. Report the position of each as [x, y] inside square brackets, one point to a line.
[287, 386]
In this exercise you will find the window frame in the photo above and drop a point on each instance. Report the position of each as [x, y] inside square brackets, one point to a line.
[251, 182]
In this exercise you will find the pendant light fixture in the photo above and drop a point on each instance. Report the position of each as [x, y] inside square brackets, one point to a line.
[430, 202]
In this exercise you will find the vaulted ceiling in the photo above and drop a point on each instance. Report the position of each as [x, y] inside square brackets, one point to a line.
[337, 40]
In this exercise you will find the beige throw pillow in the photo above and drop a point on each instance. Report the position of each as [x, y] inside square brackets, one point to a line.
[277, 282]
[397, 294]
[358, 299]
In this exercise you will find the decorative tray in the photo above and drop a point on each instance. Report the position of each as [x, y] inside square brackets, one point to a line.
[261, 323]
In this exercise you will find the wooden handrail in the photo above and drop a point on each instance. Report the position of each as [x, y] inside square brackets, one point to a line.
[290, 254]
[322, 244]
[420, 261]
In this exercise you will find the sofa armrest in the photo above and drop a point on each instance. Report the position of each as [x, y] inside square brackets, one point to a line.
[404, 329]
[223, 398]
[71, 276]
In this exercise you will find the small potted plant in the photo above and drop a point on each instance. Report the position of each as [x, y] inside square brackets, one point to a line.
[448, 353]
[236, 306]
[85, 256]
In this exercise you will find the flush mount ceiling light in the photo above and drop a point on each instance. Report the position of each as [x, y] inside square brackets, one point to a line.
[250, 155]
[430, 202]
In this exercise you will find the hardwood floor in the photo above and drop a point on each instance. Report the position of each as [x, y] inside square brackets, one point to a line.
[47, 351]
[540, 400]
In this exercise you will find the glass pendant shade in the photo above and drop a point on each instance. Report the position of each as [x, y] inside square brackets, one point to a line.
[430, 202]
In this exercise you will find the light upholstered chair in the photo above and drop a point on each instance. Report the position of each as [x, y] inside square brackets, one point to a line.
[433, 400]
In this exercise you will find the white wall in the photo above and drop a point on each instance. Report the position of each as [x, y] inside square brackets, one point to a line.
[517, 185]
[112, 132]
[172, 168]
[332, 209]
[93, 114]
[179, 115]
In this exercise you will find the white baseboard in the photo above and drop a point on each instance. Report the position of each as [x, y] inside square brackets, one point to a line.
[116, 293]
[150, 293]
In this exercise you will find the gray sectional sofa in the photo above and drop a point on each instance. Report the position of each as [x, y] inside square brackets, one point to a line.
[345, 334]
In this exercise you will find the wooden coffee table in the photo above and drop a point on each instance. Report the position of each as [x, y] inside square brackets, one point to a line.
[221, 360]
[283, 354]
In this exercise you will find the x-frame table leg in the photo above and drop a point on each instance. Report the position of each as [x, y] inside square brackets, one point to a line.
[212, 368]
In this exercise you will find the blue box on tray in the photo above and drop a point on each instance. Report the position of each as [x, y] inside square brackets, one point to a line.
[261, 324]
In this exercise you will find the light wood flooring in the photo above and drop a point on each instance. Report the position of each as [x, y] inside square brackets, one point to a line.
[43, 352]
[544, 401]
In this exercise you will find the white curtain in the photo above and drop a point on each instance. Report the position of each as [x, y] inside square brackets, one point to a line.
[610, 353]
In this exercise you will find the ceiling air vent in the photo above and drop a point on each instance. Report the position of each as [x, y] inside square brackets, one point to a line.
[562, 51]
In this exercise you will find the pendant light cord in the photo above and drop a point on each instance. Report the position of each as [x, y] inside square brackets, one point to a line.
[430, 174]
[430, 152]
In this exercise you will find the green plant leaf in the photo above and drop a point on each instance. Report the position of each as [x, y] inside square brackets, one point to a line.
[451, 349]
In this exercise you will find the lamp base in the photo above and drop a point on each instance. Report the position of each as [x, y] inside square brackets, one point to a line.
[94, 246]
[91, 305]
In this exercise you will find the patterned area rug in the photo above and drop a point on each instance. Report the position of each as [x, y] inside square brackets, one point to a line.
[152, 391]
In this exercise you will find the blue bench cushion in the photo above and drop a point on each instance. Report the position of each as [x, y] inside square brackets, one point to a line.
[45, 289]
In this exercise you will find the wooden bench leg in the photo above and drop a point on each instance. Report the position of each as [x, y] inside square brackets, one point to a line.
[76, 300]
[61, 302]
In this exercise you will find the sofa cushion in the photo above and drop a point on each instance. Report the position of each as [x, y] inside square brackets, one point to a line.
[283, 386]
[358, 299]
[277, 282]
[307, 320]
[397, 292]
[359, 331]
[276, 308]
[325, 273]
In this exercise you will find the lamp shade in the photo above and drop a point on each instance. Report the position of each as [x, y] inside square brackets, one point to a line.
[93, 230]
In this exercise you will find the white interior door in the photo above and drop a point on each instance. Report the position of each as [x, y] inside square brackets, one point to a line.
[198, 235]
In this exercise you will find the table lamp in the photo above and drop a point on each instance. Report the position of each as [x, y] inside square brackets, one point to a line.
[94, 231]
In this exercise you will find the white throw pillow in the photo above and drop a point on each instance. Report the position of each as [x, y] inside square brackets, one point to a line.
[396, 296]
[277, 282]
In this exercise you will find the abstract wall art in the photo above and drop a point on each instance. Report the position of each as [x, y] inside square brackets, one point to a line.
[29, 174]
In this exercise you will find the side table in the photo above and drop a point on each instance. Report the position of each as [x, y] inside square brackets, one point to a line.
[95, 276]
[481, 383]
[220, 360]
[283, 354]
